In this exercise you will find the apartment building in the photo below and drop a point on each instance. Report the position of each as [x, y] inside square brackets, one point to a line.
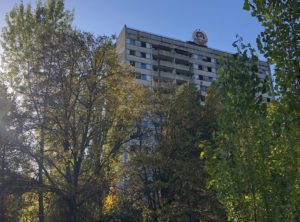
[163, 60]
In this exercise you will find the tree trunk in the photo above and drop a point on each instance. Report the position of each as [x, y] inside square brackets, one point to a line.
[2, 208]
[2, 199]
[72, 215]
[254, 203]
[40, 178]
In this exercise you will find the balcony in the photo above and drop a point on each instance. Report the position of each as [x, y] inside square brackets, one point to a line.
[164, 63]
[171, 54]
[182, 67]
[182, 54]
[162, 53]
[163, 74]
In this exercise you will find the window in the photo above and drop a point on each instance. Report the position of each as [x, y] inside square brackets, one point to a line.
[210, 79]
[144, 44]
[268, 100]
[146, 66]
[130, 41]
[213, 60]
[213, 70]
[206, 59]
[207, 78]
[202, 98]
[131, 52]
[132, 63]
[143, 55]
[198, 67]
[200, 77]
[144, 77]
[209, 69]
[182, 52]
[138, 75]
[199, 57]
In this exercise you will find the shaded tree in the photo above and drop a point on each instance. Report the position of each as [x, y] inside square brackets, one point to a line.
[78, 102]
[29, 54]
[12, 160]
[167, 179]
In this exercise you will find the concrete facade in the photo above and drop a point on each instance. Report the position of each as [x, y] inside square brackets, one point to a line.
[158, 59]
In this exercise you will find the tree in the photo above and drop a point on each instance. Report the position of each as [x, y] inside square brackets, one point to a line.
[167, 181]
[279, 42]
[11, 159]
[98, 100]
[249, 166]
[254, 162]
[78, 101]
[28, 53]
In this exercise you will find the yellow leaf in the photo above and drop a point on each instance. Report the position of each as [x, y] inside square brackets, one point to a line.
[201, 145]
[202, 154]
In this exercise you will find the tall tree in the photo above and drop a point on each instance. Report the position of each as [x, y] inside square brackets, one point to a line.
[79, 103]
[12, 160]
[248, 163]
[98, 100]
[254, 163]
[168, 181]
[28, 53]
[279, 42]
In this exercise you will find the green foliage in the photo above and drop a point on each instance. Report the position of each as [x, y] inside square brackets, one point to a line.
[11, 159]
[4, 102]
[167, 180]
[78, 103]
[279, 42]
[280, 45]
[254, 173]
[254, 161]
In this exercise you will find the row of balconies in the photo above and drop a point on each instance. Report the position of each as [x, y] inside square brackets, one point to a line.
[170, 54]
[171, 77]
[172, 65]
[167, 53]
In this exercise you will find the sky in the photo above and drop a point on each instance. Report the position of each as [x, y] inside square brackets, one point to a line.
[221, 20]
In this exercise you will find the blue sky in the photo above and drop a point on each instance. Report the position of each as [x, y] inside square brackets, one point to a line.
[222, 20]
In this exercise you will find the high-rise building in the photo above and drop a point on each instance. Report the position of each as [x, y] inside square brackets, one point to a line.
[165, 60]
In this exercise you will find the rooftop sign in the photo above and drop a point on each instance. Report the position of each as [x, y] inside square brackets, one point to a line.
[200, 37]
